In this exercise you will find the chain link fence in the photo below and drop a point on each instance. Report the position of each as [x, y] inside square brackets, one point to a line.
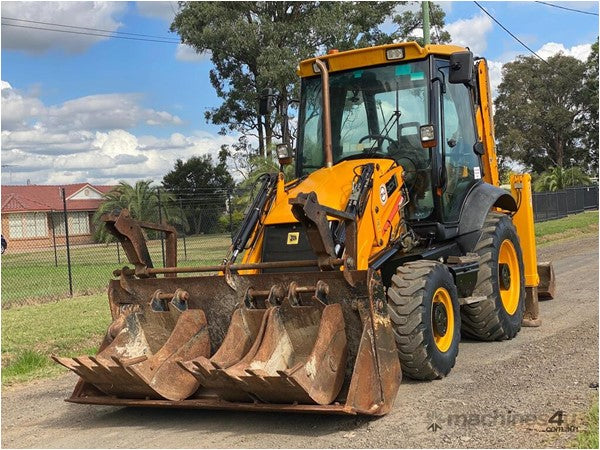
[55, 254]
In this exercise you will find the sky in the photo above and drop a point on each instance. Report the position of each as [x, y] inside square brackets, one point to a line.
[79, 108]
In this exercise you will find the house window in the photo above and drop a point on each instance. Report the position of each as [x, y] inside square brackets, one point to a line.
[28, 225]
[79, 223]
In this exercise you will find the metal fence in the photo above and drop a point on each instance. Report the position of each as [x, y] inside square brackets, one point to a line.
[55, 254]
[557, 204]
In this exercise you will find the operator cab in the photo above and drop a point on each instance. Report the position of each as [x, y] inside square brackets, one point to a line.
[377, 112]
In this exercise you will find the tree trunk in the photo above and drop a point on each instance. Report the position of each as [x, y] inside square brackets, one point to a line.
[261, 142]
[559, 151]
[268, 136]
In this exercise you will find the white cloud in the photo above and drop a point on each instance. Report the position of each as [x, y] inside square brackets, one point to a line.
[87, 139]
[98, 112]
[187, 53]
[159, 10]
[18, 108]
[580, 52]
[471, 33]
[100, 15]
[495, 75]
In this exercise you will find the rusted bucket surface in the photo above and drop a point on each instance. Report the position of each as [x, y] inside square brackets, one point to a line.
[298, 355]
[141, 361]
[547, 286]
[242, 334]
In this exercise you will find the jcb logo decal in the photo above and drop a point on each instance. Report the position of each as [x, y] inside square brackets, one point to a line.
[293, 238]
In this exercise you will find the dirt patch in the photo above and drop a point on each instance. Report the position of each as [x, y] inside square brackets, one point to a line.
[499, 394]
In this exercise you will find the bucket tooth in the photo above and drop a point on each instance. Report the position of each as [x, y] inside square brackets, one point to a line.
[142, 360]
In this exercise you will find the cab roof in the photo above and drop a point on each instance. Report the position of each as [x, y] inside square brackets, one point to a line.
[372, 56]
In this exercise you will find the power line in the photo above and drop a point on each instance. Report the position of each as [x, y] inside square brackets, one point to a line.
[88, 28]
[524, 45]
[508, 31]
[87, 34]
[568, 9]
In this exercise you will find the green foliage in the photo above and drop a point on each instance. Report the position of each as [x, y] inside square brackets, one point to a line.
[589, 117]
[559, 178]
[141, 200]
[256, 45]
[410, 21]
[201, 190]
[540, 119]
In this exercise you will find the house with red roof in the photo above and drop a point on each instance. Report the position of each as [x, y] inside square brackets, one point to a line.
[32, 215]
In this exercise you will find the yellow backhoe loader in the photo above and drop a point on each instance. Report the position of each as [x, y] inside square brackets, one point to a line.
[393, 240]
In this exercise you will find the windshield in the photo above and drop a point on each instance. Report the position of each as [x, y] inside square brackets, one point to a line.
[373, 110]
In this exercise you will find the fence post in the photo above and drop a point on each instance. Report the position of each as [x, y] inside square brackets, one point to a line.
[162, 241]
[64, 197]
[118, 253]
[53, 237]
[229, 206]
[183, 229]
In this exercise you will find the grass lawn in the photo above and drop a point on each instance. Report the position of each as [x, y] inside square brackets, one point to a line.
[68, 327]
[31, 277]
[588, 438]
[567, 227]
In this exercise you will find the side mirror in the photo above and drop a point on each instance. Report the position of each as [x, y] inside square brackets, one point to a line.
[461, 67]
[427, 134]
[265, 105]
[284, 154]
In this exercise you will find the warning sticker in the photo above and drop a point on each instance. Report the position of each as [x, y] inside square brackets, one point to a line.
[383, 194]
[476, 172]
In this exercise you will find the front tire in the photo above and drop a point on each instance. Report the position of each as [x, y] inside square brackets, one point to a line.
[501, 280]
[423, 306]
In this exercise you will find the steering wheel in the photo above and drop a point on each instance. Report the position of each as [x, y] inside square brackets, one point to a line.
[379, 138]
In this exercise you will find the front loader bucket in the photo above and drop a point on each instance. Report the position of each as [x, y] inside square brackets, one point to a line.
[141, 361]
[547, 286]
[317, 341]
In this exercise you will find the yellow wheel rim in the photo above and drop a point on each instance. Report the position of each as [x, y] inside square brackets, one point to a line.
[509, 276]
[442, 335]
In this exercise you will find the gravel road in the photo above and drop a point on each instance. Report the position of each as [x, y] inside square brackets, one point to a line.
[499, 394]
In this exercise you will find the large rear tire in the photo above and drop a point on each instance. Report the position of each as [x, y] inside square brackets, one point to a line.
[501, 280]
[423, 306]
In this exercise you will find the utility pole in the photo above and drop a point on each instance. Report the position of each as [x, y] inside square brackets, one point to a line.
[426, 35]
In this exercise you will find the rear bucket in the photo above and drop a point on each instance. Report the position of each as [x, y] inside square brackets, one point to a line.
[547, 286]
[141, 361]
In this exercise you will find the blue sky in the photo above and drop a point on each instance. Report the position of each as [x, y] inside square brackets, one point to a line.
[80, 108]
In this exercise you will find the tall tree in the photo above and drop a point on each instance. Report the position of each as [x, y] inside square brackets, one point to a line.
[201, 189]
[142, 201]
[539, 109]
[255, 45]
[589, 120]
